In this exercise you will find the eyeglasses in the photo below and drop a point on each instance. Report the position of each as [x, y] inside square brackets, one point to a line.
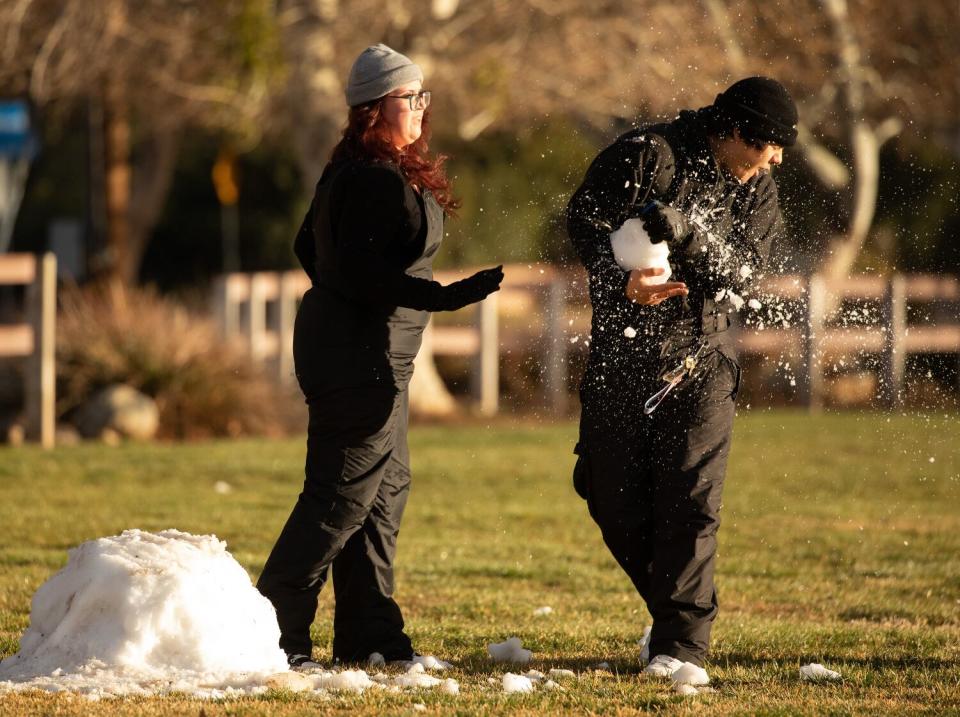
[418, 100]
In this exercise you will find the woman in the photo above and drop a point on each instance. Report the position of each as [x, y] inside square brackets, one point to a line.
[368, 244]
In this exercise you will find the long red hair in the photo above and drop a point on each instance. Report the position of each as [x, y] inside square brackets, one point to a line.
[366, 137]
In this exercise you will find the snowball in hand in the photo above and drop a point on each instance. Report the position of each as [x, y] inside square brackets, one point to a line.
[633, 249]
[144, 606]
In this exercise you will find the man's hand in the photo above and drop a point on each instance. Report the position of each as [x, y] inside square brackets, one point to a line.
[664, 223]
[642, 290]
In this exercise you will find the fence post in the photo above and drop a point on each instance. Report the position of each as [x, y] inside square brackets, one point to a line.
[286, 313]
[894, 354]
[226, 309]
[41, 375]
[811, 384]
[485, 377]
[257, 317]
[556, 348]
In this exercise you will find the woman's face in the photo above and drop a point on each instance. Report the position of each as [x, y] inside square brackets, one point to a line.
[403, 123]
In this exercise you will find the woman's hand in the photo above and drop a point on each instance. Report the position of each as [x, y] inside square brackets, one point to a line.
[642, 290]
[472, 289]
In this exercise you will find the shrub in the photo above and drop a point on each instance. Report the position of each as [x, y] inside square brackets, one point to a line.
[203, 386]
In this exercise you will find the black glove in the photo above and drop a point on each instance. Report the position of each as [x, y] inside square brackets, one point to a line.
[664, 223]
[472, 289]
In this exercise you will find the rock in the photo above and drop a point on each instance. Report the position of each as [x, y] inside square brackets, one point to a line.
[110, 437]
[15, 434]
[119, 408]
[66, 435]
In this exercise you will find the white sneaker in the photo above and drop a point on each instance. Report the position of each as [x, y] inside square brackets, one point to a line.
[663, 666]
[645, 645]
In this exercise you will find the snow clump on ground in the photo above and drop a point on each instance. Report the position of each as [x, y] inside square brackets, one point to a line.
[815, 672]
[509, 651]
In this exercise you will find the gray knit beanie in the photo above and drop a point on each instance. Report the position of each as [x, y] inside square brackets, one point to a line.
[377, 71]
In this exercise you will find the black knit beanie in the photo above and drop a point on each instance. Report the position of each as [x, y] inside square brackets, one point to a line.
[762, 109]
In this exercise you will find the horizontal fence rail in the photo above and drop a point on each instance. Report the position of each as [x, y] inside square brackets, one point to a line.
[543, 311]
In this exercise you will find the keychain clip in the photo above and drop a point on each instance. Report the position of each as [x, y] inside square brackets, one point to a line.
[674, 377]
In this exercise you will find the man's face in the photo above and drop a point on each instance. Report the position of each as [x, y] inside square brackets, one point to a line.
[745, 160]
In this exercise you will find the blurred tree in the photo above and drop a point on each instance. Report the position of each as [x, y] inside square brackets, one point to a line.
[862, 70]
[145, 69]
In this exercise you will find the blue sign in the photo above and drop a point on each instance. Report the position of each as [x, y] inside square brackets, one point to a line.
[16, 137]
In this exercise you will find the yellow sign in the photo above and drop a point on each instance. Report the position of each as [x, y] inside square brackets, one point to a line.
[224, 177]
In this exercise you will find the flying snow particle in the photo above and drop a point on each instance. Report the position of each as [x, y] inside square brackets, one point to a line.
[630, 332]
[754, 304]
[735, 299]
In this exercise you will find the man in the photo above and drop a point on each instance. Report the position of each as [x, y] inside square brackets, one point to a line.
[653, 479]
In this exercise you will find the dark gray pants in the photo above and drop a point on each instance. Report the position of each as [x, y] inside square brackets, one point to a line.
[348, 517]
[653, 485]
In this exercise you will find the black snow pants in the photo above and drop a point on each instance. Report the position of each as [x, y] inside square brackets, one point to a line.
[653, 485]
[348, 515]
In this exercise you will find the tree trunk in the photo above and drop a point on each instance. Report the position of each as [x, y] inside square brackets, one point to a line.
[152, 175]
[117, 173]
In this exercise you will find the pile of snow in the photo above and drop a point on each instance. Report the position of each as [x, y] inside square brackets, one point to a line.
[815, 672]
[142, 613]
[509, 651]
[633, 249]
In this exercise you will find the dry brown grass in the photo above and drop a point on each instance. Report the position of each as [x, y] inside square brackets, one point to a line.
[203, 386]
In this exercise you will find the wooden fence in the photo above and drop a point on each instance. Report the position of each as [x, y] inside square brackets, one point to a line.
[856, 316]
[543, 312]
[34, 338]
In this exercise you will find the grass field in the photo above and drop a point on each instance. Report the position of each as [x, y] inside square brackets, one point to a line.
[840, 545]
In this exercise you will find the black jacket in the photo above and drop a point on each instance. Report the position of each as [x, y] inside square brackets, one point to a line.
[736, 224]
[365, 226]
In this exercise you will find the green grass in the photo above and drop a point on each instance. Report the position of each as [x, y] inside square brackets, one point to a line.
[840, 545]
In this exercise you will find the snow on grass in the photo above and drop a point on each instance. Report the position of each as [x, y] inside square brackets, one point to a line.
[815, 672]
[516, 683]
[509, 651]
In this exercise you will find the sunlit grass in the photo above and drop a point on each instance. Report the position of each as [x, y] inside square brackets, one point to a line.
[840, 545]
